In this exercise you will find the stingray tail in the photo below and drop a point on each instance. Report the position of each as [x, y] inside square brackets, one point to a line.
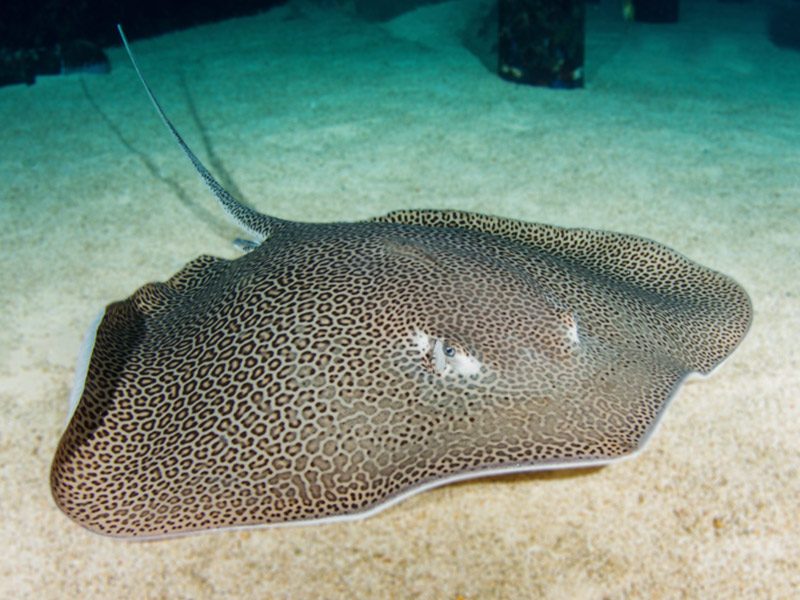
[256, 224]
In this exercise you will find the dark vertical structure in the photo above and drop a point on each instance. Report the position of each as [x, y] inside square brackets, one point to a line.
[541, 42]
[656, 11]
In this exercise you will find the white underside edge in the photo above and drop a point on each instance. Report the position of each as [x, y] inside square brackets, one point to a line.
[364, 514]
[82, 367]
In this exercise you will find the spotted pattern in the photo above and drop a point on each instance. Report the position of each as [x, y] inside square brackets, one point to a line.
[337, 366]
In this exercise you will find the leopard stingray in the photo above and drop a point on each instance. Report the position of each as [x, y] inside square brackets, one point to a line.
[335, 369]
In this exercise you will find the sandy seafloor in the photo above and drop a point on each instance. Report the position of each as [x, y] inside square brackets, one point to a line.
[687, 134]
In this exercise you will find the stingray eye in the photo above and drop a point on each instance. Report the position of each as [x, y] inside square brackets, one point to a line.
[444, 359]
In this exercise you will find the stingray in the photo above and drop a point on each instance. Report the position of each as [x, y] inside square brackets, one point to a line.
[336, 368]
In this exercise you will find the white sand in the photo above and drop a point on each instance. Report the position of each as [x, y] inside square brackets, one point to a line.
[688, 134]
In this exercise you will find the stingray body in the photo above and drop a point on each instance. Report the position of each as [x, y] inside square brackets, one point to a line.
[336, 368]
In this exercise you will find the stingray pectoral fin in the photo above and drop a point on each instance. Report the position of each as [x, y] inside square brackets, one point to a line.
[197, 273]
[706, 313]
[139, 351]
